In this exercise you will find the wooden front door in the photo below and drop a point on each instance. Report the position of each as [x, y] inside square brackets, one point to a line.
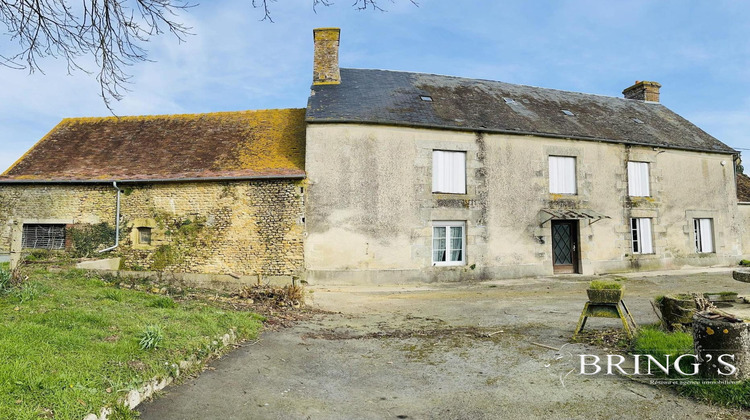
[565, 246]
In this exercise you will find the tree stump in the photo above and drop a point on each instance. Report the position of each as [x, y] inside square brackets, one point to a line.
[718, 340]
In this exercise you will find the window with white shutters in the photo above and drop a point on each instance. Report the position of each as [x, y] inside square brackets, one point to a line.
[562, 175]
[704, 235]
[448, 243]
[640, 230]
[448, 172]
[43, 236]
[638, 179]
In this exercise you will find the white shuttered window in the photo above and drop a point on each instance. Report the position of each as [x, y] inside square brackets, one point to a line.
[640, 230]
[562, 175]
[704, 235]
[448, 172]
[638, 181]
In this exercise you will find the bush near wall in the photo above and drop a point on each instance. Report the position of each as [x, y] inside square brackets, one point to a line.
[86, 240]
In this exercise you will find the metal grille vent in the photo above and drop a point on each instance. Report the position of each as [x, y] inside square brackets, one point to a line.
[43, 236]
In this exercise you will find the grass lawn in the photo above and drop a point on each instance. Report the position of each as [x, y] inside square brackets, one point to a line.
[69, 342]
[658, 343]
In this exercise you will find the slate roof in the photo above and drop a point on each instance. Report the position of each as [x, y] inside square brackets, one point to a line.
[246, 144]
[393, 98]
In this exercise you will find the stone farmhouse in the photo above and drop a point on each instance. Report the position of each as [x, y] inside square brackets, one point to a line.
[389, 177]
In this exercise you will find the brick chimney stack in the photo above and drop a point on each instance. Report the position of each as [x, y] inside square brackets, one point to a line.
[326, 60]
[643, 91]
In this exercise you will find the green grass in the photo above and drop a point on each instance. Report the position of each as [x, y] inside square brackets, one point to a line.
[658, 343]
[604, 285]
[651, 340]
[163, 302]
[70, 342]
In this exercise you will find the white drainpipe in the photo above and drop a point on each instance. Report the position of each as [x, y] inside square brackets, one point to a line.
[117, 221]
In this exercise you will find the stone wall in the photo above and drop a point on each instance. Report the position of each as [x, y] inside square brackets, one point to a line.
[240, 228]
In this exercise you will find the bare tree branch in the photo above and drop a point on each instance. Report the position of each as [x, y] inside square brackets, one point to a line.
[112, 31]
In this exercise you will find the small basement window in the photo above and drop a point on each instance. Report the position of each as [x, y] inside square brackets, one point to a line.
[43, 236]
[144, 235]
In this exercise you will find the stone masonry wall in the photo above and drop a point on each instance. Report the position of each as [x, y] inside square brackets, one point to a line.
[243, 228]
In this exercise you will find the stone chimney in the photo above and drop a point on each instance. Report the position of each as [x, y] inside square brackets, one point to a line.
[643, 91]
[326, 60]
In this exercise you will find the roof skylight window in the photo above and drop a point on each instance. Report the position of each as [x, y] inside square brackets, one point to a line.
[568, 113]
[509, 100]
[425, 98]
[638, 121]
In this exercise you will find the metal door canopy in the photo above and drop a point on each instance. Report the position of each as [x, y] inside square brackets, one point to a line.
[545, 215]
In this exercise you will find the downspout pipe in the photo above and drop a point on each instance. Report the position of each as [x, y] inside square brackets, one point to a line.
[117, 221]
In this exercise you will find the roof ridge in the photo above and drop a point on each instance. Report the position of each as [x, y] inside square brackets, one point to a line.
[182, 115]
[507, 83]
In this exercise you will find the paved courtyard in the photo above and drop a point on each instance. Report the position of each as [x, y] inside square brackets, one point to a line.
[449, 351]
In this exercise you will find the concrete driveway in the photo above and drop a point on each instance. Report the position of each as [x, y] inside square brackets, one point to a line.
[448, 351]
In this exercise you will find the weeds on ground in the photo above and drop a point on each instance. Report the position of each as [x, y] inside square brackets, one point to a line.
[113, 294]
[653, 341]
[663, 346]
[163, 302]
[289, 295]
[151, 337]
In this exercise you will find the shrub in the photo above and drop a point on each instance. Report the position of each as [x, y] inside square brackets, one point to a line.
[88, 239]
[604, 285]
[164, 256]
[745, 263]
[151, 337]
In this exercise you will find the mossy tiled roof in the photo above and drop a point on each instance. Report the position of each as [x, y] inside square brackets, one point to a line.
[743, 188]
[245, 144]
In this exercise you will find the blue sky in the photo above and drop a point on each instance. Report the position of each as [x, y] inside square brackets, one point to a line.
[698, 50]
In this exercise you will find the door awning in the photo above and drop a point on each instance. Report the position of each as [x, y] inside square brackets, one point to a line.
[545, 215]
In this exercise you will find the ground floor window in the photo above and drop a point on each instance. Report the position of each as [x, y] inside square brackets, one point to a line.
[144, 235]
[640, 230]
[43, 236]
[704, 235]
[448, 243]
